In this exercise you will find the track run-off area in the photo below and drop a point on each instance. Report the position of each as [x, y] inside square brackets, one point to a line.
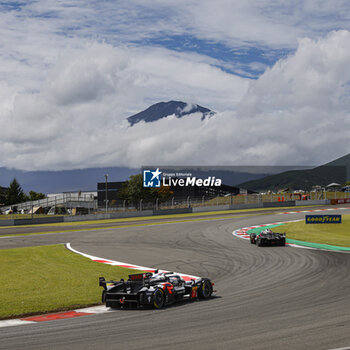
[267, 297]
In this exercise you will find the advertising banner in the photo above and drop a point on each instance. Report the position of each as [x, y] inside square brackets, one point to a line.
[340, 201]
[323, 219]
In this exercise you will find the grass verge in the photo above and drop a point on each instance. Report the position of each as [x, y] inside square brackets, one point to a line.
[50, 278]
[331, 234]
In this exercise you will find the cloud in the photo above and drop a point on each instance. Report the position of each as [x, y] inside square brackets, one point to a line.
[70, 74]
[80, 112]
[34, 33]
[297, 112]
[188, 108]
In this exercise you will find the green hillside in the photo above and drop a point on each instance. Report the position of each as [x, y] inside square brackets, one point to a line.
[335, 171]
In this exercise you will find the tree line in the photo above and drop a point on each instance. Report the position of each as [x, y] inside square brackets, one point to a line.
[133, 192]
[14, 194]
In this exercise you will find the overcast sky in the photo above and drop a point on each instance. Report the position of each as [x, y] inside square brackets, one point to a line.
[278, 76]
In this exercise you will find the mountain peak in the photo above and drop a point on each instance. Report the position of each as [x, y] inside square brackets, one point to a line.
[164, 109]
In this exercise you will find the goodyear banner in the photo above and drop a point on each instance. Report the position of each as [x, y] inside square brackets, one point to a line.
[323, 219]
[340, 201]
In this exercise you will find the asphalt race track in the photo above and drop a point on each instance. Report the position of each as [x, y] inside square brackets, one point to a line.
[268, 297]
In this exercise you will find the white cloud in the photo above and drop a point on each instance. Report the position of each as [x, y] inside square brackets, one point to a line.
[188, 108]
[81, 111]
[65, 93]
[296, 113]
[239, 23]
[33, 37]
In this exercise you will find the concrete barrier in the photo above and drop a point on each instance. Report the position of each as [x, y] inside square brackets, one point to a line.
[38, 221]
[131, 214]
[211, 208]
[7, 222]
[86, 217]
[172, 211]
[121, 215]
[312, 202]
[279, 204]
[246, 206]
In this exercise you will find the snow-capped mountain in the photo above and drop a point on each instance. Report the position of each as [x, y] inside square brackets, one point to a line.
[165, 109]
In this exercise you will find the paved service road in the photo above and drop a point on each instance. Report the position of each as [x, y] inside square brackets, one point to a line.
[268, 297]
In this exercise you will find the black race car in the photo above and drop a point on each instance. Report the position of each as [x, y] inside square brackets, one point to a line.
[267, 237]
[153, 289]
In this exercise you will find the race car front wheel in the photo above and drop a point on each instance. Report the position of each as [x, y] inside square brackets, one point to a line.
[158, 298]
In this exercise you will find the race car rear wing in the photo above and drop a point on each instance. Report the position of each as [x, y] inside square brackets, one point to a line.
[134, 278]
[140, 276]
[281, 233]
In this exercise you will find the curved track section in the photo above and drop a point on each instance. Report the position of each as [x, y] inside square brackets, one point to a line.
[268, 298]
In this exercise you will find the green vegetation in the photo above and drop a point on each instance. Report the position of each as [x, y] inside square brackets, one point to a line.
[35, 196]
[301, 179]
[332, 234]
[133, 191]
[2, 195]
[50, 278]
[14, 194]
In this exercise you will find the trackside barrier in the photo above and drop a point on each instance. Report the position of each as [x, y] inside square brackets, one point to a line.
[10, 222]
[87, 217]
[246, 206]
[313, 202]
[280, 204]
[210, 208]
[340, 201]
[58, 219]
[131, 214]
[172, 211]
[227, 207]
[35, 221]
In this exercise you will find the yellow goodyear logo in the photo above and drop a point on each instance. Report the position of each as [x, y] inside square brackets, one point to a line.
[323, 219]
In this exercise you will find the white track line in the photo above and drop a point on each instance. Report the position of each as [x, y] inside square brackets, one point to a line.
[242, 233]
[122, 264]
[311, 211]
[16, 322]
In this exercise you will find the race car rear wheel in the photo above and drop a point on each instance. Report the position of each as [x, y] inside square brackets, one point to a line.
[205, 290]
[158, 298]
